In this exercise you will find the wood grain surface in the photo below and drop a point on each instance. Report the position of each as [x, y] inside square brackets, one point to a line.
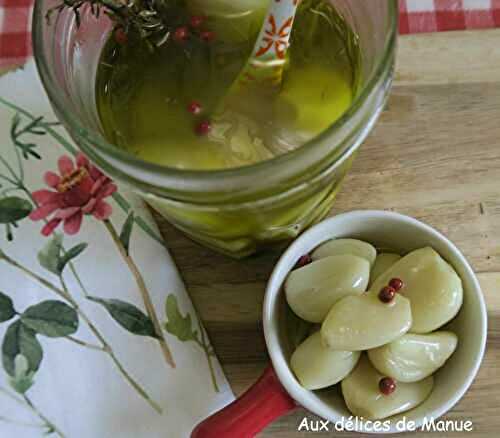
[435, 155]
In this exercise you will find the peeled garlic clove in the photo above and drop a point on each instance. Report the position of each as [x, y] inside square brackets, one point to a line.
[414, 357]
[312, 290]
[317, 366]
[432, 286]
[382, 263]
[346, 246]
[363, 397]
[361, 322]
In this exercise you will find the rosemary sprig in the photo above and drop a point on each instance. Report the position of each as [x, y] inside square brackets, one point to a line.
[152, 20]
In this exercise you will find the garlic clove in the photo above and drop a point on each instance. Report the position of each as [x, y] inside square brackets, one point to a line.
[382, 263]
[364, 398]
[346, 246]
[312, 290]
[361, 322]
[432, 286]
[412, 357]
[317, 366]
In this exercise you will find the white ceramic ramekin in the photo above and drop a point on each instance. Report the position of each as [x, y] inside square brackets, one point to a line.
[402, 234]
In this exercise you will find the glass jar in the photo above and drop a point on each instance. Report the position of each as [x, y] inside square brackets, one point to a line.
[236, 211]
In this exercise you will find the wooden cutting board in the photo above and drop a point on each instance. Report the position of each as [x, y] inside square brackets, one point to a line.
[434, 155]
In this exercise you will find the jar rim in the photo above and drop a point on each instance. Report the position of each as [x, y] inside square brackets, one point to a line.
[192, 178]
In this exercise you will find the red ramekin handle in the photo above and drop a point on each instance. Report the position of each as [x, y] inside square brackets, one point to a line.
[265, 401]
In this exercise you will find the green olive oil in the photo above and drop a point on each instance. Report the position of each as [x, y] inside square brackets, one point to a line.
[164, 105]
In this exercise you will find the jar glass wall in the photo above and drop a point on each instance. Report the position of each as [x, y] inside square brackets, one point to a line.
[236, 211]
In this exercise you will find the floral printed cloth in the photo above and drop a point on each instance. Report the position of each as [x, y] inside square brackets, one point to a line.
[98, 336]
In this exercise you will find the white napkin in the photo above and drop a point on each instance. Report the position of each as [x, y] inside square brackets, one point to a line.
[76, 390]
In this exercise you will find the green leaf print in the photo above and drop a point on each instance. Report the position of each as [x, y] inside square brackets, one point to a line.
[128, 316]
[69, 255]
[182, 328]
[49, 255]
[20, 339]
[23, 377]
[54, 259]
[127, 231]
[178, 325]
[13, 209]
[7, 310]
[51, 318]
[34, 127]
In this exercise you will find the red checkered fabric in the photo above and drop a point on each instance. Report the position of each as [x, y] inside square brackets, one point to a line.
[15, 31]
[415, 16]
[440, 15]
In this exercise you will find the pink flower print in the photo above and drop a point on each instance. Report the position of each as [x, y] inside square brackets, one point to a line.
[79, 189]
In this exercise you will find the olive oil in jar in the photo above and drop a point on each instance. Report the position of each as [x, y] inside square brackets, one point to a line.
[164, 105]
